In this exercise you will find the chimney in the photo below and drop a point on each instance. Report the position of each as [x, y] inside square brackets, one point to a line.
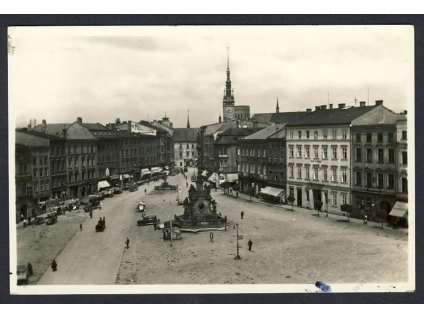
[341, 106]
[405, 112]
[79, 120]
[44, 126]
[308, 110]
[362, 104]
[117, 121]
[316, 107]
[331, 106]
[323, 106]
[219, 118]
[379, 102]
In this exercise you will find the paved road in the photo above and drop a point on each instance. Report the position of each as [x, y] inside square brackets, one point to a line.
[94, 258]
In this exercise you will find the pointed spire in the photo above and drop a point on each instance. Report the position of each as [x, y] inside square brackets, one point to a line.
[277, 109]
[188, 118]
[228, 59]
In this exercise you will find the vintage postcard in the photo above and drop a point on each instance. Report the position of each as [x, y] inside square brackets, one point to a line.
[211, 159]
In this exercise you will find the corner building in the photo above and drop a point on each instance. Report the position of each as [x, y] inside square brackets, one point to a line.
[318, 157]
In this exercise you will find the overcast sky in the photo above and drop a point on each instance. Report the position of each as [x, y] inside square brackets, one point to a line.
[135, 73]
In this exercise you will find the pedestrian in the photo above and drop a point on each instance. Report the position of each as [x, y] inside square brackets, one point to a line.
[127, 242]
[91, 214]
[104, 221]
[54, 266]
[100, 206]
[25, 223]
[80, 226]
[242, 214]
[236, 194]
[186, 184]
[250, 243]
[145, 190]
[30, 270]
[365, 219]
[211, 236]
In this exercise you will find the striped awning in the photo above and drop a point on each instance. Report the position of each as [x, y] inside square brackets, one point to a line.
[400, 209]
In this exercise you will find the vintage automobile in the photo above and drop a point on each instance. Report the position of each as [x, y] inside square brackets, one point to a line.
[22, 274]
[141, 207]
[148, 220]
[100, 226]
[38, 220]
[51, 220]
[132, 187]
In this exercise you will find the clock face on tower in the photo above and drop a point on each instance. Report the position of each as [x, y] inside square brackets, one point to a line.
[229, 112]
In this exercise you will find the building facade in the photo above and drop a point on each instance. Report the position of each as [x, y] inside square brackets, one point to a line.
[185, 146]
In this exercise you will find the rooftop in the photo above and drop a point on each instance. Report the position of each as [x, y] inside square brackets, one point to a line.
[185, 134]
[266, 132]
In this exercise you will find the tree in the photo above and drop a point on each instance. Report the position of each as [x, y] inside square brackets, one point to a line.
[291, 200]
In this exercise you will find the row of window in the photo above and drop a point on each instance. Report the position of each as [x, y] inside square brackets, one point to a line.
[316, 152]
[193, 154]
[253, 168]
[75, 177]
[318, 134]
[379, 180]
[333, 200]
[188, 146]
[381, 137]
[382, 156]
[41, 160]
[313, 174]
[253, 152]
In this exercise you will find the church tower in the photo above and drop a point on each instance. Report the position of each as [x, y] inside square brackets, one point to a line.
[277, 109]
[188, 118]
[228, 101]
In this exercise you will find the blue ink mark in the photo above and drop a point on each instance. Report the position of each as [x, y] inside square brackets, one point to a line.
[323, 287]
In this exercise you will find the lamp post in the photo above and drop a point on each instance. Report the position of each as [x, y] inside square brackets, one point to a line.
[237, 240]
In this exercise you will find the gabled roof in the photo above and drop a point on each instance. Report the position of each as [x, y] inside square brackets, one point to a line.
[40, 134]
[185, 134]
[30, 140]
[265, 133]
[335, 116]
[92, 126]
[213, 128]
[284, 117]
[233, 134]
[262, 117]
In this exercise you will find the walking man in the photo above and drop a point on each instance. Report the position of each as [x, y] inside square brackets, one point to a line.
[127, 242]
[145, 190]
[250, 243]
[91, 214]
[54, 266]
[211, 236]
[80, 226]
[242, 214]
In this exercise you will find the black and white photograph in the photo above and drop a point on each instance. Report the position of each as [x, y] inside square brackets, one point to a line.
[211, 159]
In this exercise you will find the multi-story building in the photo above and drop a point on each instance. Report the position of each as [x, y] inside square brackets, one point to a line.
[23, 182]
[185, 146]
[374, 160]
[227, 149]
[207, 137]
[318, 157]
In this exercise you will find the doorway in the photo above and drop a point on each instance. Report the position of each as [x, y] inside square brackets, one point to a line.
[317, 199]
[299, 197]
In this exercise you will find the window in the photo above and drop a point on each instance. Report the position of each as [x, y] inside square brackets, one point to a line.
[379, 137]
[391, 155]
[307, 134]
[404, 135]
[187, 153]
[358, 178]
[390, 137]
[324, 133]
[344, 153]
[324, 152]
[41, 172]
[344, 176]
[306, 172]
[264, 153]
[380, 153]
[404, 158]
[369, 155]
[259, 152]
[192, 153]
[334, 131]
[344, 198]
[291, 134]
[334, 149]
[391, 181]
[369, 137]
[380, 180]
[307, 152]
[299, 172]
[316, 152]
[315, 134]
[299, 134]
[358, 137]
[358, 154]
[334, 198]
[334, 175]
[299, 151]
[291, 151]
[344, 133]
[291, 173]
[368, 180]
[315, 173]
[404, 185]
[325, 174]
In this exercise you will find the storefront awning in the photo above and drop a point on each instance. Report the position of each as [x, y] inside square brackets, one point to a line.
[275, 192]
[400, 209]
[114, 177]
[156, 169]
[204, 173]
[145, 171]
[231, 177]
[103, 184]
[126, 176]
[264, 190]
[213, 177]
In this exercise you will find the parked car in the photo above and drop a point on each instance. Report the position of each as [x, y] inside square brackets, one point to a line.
[22, 275]
[38, 220]
[133, 187]
[148, 220]
[141, 206]
[116, 190]
[51, 220]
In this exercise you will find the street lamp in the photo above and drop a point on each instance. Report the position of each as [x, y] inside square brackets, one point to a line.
[237, 240]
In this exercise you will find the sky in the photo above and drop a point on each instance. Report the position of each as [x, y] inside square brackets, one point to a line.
[143, 73]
